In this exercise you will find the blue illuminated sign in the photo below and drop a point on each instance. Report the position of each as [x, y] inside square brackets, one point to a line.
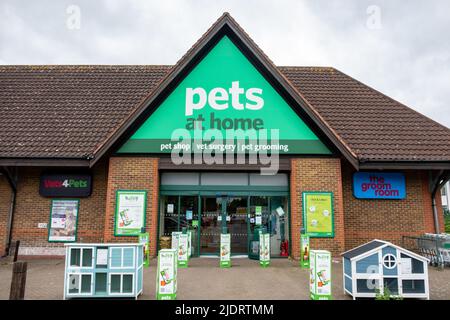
[376, 185]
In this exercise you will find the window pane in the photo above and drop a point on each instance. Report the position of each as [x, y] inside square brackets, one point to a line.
[100, 282]
[169, 215]
[74, 283]
[128, 257]
[189, 212]
[87, 257]
[75, 257]
[86, 283]
[278, 227]
[127, 286]
[115, 283]
[116, 257]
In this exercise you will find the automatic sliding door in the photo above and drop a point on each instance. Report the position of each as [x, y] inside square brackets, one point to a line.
[236, 213]
[210, 228]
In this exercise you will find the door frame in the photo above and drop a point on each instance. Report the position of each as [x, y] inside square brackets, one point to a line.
[222, 191]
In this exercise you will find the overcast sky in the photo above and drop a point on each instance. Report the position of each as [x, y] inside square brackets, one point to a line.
[401, 48]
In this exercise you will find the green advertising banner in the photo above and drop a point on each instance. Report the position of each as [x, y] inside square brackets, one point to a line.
[320, 275]
[264, 249]
[144, 238]
[224, 97]
[130, 212]
[166, 275]
[189, 233]
[183, 247]
[175, 237]
[304, 251]
[225, 250]
[318, 214]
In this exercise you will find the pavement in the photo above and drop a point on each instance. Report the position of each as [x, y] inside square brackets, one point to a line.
[283, 279]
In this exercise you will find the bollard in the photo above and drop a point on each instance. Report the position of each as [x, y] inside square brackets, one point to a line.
[18, 281]
[16, 250]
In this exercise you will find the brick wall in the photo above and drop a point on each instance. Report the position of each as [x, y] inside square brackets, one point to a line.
[32, 209]
[366, 220]
[133, 173]
[5, 201]
[316, 174]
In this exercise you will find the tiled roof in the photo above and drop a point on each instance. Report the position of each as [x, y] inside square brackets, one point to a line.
[67, 111]
[70, 111]
[374, 126]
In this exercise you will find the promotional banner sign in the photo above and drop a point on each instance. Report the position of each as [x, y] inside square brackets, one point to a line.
[225, 250]
[63, 221]
[144, 238]
[189, 233]
[65, 185]
[264, 249]
[376, 185]
[175, 237]
[183, 245]
[224, 104]
[130, 212]
[166, 275]
[320, 275]
[318, 214]
[304, 251]
[258, 215]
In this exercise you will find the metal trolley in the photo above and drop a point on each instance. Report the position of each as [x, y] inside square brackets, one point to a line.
[435, 247]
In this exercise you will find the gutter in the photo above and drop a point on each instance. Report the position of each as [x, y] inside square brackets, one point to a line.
[435, 186]
[12, 181]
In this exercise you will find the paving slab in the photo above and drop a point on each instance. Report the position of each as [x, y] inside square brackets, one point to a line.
[283, 280]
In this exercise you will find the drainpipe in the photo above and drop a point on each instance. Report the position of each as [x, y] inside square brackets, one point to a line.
[13, 184]
[436, 185]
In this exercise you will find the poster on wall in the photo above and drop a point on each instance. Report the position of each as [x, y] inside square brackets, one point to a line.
[63, 221]
[130, 212]
[318, 214]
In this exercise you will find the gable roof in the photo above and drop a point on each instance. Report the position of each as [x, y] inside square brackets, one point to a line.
[375, 245]
[80, 112]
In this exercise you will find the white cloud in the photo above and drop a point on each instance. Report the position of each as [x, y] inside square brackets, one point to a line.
[407, 59]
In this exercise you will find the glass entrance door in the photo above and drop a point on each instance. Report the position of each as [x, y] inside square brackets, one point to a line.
[223, 213]
[236, 223]
[211, 223]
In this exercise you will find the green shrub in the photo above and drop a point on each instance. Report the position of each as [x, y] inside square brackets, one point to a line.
[386, 295]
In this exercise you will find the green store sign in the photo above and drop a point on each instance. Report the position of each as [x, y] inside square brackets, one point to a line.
[224, 100]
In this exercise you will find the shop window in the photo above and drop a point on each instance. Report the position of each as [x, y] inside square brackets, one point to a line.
[169, 212]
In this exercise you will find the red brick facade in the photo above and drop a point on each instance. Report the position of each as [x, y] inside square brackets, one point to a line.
[135, 173]
[317, 174]
[32, 209]
[5, 201]
[389, 220]
[356, 221]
